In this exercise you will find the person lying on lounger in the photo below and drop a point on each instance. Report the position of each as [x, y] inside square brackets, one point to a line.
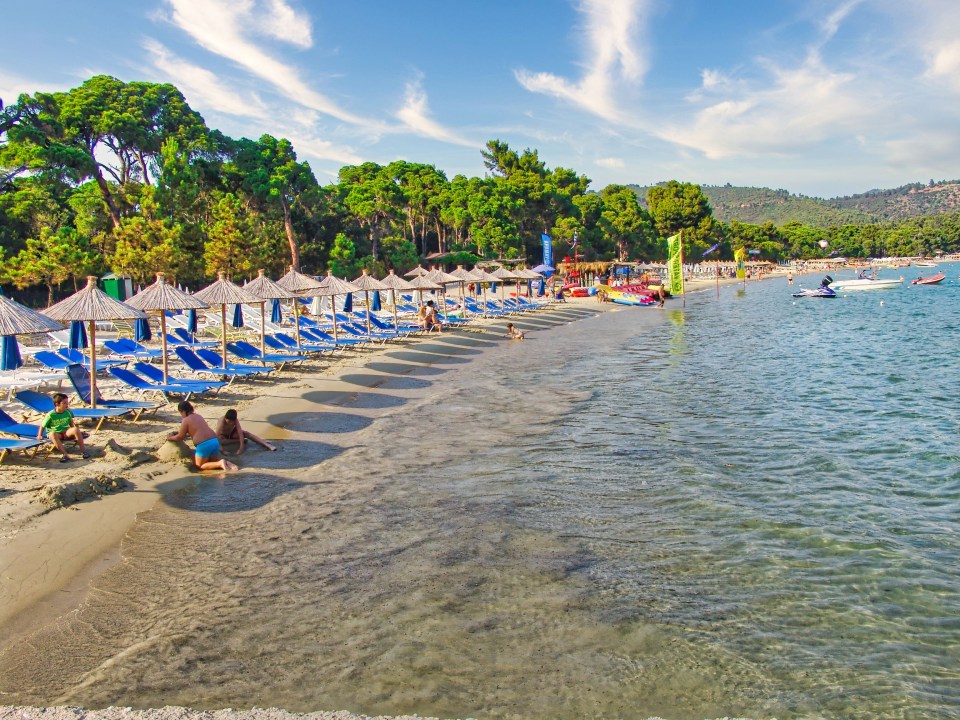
[229, 432]
[206, 453]
[60, 424]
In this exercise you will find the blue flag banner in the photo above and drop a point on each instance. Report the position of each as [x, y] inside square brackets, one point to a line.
[711, 249]
[547, 249]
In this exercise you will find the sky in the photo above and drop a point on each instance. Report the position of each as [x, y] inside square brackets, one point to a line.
[817, 97]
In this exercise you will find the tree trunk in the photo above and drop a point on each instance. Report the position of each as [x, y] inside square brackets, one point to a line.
[107, 197]
[291, 238]
[143, 164]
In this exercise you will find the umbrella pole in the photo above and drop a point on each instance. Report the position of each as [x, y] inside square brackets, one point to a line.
[263, 328]
[296, 320]
[163, 343]
[223, 334]
[396, 321]
[333, 314]
[366, 295]
[93, 363]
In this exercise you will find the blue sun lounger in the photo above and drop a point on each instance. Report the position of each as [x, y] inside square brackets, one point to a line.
[8, 445]
[199, 365]
[155, 374]
[142, 385]
[26, 431]
[80, 379]
[245, 351]
[41, 403]
[216, 360]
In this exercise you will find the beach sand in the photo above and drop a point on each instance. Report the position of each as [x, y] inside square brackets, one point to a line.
[63, 524]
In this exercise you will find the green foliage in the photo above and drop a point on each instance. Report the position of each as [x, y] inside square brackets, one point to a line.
[343, 257]
[50, 259]
[399, 254]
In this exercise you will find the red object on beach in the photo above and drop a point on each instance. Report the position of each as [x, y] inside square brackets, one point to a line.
[932, 280]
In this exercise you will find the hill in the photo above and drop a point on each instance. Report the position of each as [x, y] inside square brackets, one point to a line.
[760, 205]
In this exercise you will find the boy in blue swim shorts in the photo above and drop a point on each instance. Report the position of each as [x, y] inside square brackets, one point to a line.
[206, 453]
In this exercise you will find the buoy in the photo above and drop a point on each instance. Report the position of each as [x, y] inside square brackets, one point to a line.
[881, 303]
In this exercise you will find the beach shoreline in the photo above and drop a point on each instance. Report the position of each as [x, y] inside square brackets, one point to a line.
[50, 556]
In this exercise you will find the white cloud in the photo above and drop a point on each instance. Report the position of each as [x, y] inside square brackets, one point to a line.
[415, 116]
[221, 27]
[613, 58]
[285, 23]
[202, 88]
[613, 163]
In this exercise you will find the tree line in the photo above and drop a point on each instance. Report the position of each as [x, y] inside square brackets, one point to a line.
[126, 177]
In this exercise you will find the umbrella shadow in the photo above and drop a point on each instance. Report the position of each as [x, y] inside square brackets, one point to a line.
[354, 399]
[386, 382]
[467, 342]
[446, 348]
[320, 422]
[228, 492]
[403, 368]
[426, 358]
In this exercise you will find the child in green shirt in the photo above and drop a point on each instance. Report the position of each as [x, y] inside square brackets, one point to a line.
[60, 424]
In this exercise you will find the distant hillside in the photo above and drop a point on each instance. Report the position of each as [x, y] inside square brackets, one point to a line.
[760, 205]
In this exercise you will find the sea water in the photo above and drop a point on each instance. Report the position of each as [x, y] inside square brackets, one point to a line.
[740, 505]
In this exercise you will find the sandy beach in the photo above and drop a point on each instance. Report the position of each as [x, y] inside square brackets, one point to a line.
[63, 525]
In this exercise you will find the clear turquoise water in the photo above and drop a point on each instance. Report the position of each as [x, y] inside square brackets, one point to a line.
[744, 507]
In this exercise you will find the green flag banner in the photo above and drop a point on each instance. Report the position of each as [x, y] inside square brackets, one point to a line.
[675, 264]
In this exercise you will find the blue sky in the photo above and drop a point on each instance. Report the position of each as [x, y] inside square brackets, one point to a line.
[816, 97]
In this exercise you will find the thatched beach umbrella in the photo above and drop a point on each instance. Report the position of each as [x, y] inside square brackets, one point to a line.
[265, 288]
[501, 274]
[331, 286]
[17, 319]
[92, 305]
[416, 272]
[301, 286]
[484, 277]
[395, 284]
[162, 296]
[523, 274]
[443, 279]
[368, 284]
[421, 283]
[222, 293]
[464, 276]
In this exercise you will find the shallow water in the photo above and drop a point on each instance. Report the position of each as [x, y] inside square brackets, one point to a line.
[746, 507]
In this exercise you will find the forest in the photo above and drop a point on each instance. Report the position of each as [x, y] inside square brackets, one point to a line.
[126, 177]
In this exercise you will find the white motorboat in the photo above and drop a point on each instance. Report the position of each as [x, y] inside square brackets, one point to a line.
[866, 283]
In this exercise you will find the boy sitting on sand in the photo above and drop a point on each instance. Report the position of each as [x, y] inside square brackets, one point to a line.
[230, 432]
[60, 424]
[206, 453]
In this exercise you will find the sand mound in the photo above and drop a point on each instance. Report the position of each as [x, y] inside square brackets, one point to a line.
[64, 494]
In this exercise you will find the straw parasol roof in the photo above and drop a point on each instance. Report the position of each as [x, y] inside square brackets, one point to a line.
[332, 285]
[92, 304]
[162, 296]
[395, 282]
[265, 288]
[17, 319]
[501, 273]
[418, 270]
[297, 282]
[526, 274]
[444, 278]
[463, 274]
[422, 282]
[223, 292]
[369, 283]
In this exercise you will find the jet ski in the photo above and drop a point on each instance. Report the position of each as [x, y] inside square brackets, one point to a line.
[824, 291]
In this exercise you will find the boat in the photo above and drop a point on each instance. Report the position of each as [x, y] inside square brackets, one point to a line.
[866, 282]
[824, 291]
[924, 263]
[821, 292]
[932, 280]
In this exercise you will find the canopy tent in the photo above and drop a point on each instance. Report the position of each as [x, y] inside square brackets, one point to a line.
[160, 297]
[91, 304]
